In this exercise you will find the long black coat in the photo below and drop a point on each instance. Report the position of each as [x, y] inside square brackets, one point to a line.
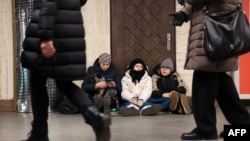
[62, 22]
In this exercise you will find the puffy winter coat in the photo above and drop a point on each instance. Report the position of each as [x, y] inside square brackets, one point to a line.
[165, 84]
[196, 58]
[62, 22]
[111, 74]
[141, 90]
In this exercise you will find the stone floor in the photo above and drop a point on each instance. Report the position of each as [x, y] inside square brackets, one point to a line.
[163, 127]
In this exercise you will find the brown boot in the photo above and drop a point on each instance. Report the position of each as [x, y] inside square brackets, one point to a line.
[106, 102]
[100, 123]
[184, 104]
[174, 99]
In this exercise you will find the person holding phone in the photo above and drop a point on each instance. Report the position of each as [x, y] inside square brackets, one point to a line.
[103, 84]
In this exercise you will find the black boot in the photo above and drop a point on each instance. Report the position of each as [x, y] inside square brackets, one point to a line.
[100, 123]
[39, 132]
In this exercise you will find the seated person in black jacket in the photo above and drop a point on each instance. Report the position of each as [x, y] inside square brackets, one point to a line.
[168, 89]
[103, 84]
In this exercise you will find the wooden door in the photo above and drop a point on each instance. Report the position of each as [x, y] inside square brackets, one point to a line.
[141, 28]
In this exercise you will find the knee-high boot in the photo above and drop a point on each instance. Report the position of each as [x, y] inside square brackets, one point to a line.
[39, 132]
[100, 123]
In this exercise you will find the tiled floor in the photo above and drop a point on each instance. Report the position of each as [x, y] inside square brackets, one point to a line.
[163, 127]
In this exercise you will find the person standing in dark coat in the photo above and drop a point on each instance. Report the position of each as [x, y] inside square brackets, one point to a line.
[210, 79]
[54, 47]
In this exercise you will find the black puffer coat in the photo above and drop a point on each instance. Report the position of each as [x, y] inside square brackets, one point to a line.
[62, 22]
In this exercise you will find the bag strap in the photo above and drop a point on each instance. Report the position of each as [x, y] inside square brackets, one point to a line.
[220, 14]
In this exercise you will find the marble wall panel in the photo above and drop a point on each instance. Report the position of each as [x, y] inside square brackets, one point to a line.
[6, 51]
[96, 14]
[181, 48]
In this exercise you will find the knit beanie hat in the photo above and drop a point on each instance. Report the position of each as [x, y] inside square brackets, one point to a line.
[167, 63]
[104, 58]
[136, 61]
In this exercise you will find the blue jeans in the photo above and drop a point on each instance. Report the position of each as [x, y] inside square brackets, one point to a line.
[164, 101]
[151, 101]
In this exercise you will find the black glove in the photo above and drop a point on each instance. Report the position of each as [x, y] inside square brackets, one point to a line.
[181, 90]
[179, 18]
[181, 2]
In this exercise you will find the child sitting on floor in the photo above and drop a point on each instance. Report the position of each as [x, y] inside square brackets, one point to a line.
[168, 89]
[136, 90]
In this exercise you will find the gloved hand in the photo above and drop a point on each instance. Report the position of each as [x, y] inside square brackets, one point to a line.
[178, 18]
[181, 2]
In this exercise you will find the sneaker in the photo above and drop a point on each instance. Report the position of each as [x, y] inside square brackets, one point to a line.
[174, 99]
[133, 106]
[151, 110]
[114, 112]
[184, 104]
[126, 111]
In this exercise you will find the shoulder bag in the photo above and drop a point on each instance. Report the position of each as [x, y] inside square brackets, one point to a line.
[226, 34]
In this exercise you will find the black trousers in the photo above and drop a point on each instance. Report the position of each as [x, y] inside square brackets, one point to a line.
[208, 87]
[40, 99]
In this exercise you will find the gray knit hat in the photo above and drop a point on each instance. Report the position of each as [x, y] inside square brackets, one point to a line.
[167, 63]
[104, 58]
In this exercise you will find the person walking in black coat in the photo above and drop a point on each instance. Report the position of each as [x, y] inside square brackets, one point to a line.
[54, 47]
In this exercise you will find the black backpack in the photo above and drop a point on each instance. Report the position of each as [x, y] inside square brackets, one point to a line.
[67, 107]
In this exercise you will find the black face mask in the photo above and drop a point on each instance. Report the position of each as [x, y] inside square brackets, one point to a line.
[136, 75]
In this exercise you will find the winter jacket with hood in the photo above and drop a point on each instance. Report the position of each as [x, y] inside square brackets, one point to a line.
[141, 90]
[196, 58]
[60, 21]
[110, 74]
[165, 84]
